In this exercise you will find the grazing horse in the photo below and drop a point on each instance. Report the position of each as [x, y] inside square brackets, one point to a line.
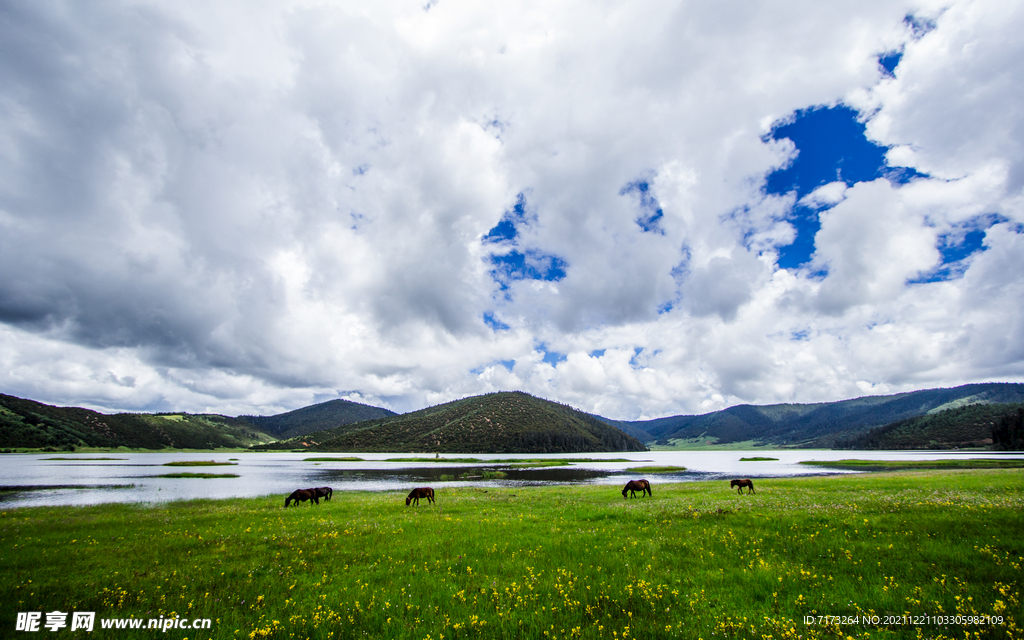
[633, 486]
[323, 492]
[739, 484]
[301, 495]
[420, 492]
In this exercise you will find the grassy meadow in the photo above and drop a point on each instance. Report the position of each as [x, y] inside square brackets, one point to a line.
[696, 560]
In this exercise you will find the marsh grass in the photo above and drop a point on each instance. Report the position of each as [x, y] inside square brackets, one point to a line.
[516, 463]
[757, 459]
[335, 459]
[198, 463]
[189, 474]
[976, 463]
[435, 460]
[76, 459]
[694, 561]
[656, 469]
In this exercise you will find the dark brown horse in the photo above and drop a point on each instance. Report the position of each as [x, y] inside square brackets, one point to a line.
[739, 484]
[419, 492]
[633, 486]
[301, 495]
[323, 492]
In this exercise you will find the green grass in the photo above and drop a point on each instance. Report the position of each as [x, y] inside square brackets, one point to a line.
[656, 469]
[197, 463]
[77, 459]
[189, 474]
[515, 463]
[419, 460]
[978, 463]
[346, 459]
[696, 560]
[558, 461]
[711, 444]
[757, 459]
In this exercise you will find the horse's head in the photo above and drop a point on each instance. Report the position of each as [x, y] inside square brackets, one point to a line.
[407, 501]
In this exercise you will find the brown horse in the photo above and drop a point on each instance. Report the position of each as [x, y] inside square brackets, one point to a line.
[739, 484]
[419, 492]
[323, 492]
[633, 486]
[301, 495]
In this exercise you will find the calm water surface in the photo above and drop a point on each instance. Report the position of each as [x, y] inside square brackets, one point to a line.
[79, 479]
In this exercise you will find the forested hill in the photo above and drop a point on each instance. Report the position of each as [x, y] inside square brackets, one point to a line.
[819, 425]
[508, 422]
[974, 425]
[30, 424]
[317, 417]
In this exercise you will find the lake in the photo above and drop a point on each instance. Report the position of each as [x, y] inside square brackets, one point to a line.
[81, 479]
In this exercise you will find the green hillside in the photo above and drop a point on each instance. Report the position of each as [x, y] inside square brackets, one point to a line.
[317, 417]
[968, 426]
[511, 422]
[823, 424]
[30, 424]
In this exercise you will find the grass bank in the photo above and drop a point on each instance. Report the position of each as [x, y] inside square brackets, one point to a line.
[696, 560]
[876, 465]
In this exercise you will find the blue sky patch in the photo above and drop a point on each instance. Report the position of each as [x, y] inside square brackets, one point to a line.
[597, 353]
[651, 214]
[551, 357]
[508, 364]
[889, 61]
[507, 230]
[831, 146]
[504, 231]
[957, 246]
[636, 354]
[531, 265]
[492, 321]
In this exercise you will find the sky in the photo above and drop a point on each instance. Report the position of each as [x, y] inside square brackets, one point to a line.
[640, 209]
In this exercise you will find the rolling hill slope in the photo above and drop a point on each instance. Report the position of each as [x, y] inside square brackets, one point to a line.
[30, 424]
[508, 422]
[821, 425]
[968, 426]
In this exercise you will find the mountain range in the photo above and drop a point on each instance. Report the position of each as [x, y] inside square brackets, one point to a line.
[821, 424]
[517, 422]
